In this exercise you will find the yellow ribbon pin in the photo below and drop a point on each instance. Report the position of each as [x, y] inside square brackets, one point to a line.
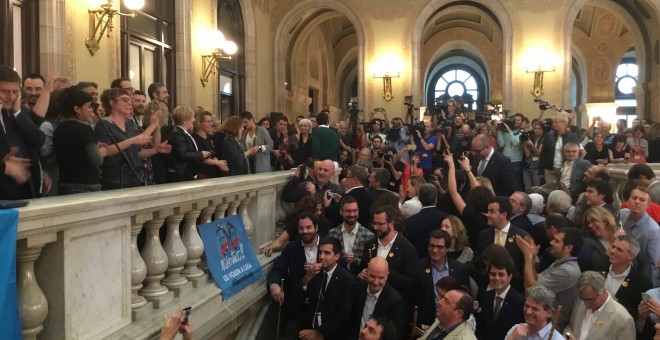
[624, 283]
[428, 270]
[391, 254]
[510, 239]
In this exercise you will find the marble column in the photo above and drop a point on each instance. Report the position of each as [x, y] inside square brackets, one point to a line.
[233, 205]
[33, 306]
[206, 217]
[156, 260]
[176, 255]
[242, 210]
[194, 247]
[221, 209]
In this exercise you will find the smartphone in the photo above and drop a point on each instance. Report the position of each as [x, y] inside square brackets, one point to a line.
[11, 204]
[186, 314]
[328, 194]
[645, 297]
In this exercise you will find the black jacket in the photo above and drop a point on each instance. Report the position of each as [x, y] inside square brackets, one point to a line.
[425, 289]
[389, 304]
[548, 150]
[511, 313]
[420, 225]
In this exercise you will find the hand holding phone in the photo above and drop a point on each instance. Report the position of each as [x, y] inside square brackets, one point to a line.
[645, 297]
[186, 314]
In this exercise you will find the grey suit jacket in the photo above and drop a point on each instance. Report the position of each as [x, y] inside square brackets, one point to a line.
[613, 322]
[262, 158]
[578, 185]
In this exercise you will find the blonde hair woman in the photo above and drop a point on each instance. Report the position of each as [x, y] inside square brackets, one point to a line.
[600, 229]
[459, 249]
[412, 205]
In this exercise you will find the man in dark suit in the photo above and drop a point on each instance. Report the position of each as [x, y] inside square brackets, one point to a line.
[325, 142]
[502, 233]
[493, 165]
[355, 180]
[520, 205]
[19, 137]
[624, 281]
[573, 169]
[420, 225]
[502, 306]
[432, 268]
[549, 166]
[329, 288]
[290, 267]
[376, 297]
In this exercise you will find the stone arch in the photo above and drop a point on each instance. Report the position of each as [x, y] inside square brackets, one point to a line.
[290, 20]
[506, 21]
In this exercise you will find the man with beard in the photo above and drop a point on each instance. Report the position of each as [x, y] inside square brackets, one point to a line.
[538, 310]
[159, 93]
[375, 297]
[355, 180]
[351, 234]
[139, 103]
[34, 84]
[291, 266]
[562, 275]
[329, 290]
[378, 328]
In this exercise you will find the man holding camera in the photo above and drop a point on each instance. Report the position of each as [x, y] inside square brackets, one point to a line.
[508, 139]
[425, 145]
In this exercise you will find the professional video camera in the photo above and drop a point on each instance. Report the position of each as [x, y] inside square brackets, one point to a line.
[524, 136]
[353, 110]
[543, 105]
[510, 121]
[445, 126]
[546, 125]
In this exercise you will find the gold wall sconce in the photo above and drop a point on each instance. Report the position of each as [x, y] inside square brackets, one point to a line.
[387, 85]
[101, 14]
[537, 89]
[221, 49]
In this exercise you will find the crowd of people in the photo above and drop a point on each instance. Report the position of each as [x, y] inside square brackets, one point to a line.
[458, 230]
[498, 229]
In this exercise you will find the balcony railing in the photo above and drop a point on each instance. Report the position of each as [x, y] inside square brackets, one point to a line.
[80, 274]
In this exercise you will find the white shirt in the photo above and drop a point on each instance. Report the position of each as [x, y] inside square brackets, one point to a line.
[590, 319]
[613, 281]
[566, 171]
[384, 250]
[348, 239]
[312, 253]
[503, 295]
[330, 272]
[559, 157]
[486, 160]
[505, 230]
[369, 305]
[249, 140]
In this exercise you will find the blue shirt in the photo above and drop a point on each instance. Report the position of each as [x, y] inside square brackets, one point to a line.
[426, 159]
[439, 273]
[542, 334]
[647, 233]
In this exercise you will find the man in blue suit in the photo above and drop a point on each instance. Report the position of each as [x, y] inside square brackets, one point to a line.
[501, 307]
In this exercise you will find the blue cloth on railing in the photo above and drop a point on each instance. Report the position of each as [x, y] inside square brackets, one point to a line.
[10, 327]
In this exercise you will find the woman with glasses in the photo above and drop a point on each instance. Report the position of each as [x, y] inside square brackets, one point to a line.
[600, 229]
[211, 167]
[459, 249]
[119, 132]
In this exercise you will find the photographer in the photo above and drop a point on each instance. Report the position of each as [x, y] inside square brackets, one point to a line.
[425, 145]
[508, 139]
[532, 149]
[376, 128]
[396, 167]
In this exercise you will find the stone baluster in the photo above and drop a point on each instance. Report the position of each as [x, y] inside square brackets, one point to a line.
[194, 247]
[33, 306]
[242, 210]
[176, 255]
[205, 217]
[156, 260]
[233, 205]
[139, 305]
[221, 209]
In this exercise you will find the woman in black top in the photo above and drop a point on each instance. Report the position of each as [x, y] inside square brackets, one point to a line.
[597, 152]
[186, 156]
[619, 151]
[75, 145]
[301, 149]
[232, 151]
[210, 167]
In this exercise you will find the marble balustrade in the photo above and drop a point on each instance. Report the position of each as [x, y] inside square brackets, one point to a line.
[80, 274]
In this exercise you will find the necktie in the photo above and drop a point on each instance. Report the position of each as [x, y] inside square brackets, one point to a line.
[482, 167]
[498, 306]
[500, 237]
[324, 283]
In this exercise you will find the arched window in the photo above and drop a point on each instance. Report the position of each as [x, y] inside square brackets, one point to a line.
[625, 81]
[231, 77]
[457, 80]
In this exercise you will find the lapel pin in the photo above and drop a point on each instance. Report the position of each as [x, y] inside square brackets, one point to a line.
[510, 239]
[428, 270]
[624, 283]
[391, 254]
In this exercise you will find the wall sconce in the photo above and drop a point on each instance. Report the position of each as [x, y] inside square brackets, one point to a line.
[222, 49]
[100, 20]
[537, 89]
[387, 85]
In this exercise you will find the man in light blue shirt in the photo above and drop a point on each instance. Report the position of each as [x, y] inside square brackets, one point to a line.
[508, 139]
[638, 223]
[538, 309]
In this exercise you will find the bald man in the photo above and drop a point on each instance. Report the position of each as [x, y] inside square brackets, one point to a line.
[489, 163]
[375, 297]
[324, 171]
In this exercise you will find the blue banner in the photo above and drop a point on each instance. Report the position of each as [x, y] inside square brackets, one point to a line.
[229, 255]
[11, 322]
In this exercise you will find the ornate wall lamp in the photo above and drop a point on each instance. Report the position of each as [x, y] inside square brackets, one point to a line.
[537, 89]
[387, 84]
[221, 49]
[101, 14]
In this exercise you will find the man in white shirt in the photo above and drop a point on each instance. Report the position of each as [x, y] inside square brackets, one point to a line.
[597, 315]
[352, 234]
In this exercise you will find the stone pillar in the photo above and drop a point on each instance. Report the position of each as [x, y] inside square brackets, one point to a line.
[205, 217]
[33, 306]
[194, 247]
[176, 255]
[221, 209]
[156, 260]
[233, 205]
[139, 305]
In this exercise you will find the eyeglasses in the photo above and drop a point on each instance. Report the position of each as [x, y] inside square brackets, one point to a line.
[437, 246]
[123, 99]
